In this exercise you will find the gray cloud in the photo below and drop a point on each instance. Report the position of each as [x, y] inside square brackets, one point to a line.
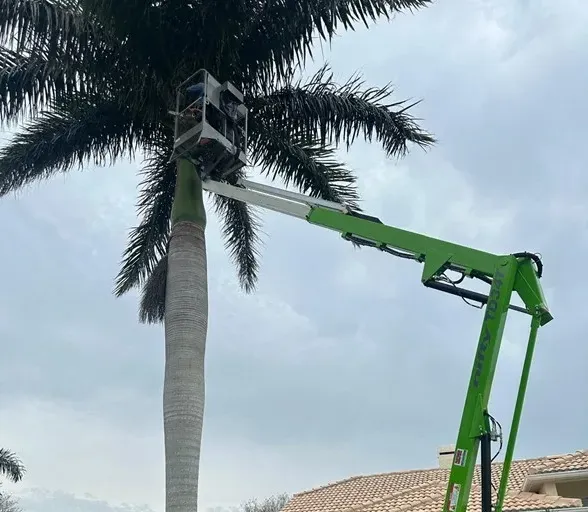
[341, 363]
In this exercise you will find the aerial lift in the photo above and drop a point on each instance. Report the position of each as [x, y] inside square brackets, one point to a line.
[210, 125]
[504, 274]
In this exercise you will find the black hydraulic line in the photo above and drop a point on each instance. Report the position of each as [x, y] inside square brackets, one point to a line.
[534, 257]
[451, 289]
[482, 277]
[486, 470]
[466, 294]
[374, 245]
[398, 254]
[366, 217]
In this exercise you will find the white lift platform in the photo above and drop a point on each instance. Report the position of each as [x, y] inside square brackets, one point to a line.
[210, 125]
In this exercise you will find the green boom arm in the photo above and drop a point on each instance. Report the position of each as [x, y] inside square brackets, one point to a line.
[519, 272]
[507, 273]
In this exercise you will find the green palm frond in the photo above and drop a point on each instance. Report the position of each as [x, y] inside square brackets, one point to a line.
[152, 305]
[63, 48]
[153, 57]
[30, 83]
[340, 113]
[115, 15]
[49, 49]
[266, 57]
[47, 24]
[67, 136]
[240, 228]
[305, 163]
[11, 466]
[148, 242]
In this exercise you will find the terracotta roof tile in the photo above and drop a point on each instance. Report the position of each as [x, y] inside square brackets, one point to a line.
[572, 462]
[424, 490]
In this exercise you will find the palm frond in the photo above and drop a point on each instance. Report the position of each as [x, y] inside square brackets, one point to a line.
[240, 228]
[30, 83]
[62, 48]
[50, 48]
[11, 466]
[152, 55]
[266, 57]
[27, 25]
[306, 163]
[340, 113]
[152, 305]
[240, 231]
[67, 136]
[148, 242]
[115, 15]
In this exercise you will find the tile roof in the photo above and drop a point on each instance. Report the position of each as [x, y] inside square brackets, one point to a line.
[424, 490]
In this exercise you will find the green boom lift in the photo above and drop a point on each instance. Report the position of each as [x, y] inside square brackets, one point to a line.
[504, 274]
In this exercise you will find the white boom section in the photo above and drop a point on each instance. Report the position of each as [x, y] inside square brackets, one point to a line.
[271, 198]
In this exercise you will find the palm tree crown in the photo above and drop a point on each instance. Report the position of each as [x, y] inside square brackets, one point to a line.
[91, 81]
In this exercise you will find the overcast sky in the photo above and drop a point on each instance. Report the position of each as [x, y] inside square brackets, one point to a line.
[341, 363]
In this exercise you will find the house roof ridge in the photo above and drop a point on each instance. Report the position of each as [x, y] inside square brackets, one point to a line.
[557, 455]
[331, 484]
[371, 475]
[544, 457]
[549, 460]
[406, 471]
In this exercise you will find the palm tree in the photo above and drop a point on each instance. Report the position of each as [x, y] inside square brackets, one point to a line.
[91, 81]
[11, 466]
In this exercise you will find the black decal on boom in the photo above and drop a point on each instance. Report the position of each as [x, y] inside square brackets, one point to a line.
[490, 316]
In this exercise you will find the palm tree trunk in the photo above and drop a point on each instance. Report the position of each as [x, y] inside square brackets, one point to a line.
[186, 323]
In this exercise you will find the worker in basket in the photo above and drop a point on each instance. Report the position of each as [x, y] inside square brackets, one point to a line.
[195, 93]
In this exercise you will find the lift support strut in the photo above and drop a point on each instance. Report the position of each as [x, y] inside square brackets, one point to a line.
[505, 274]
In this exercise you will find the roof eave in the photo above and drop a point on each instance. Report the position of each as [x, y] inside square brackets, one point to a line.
[539, 478]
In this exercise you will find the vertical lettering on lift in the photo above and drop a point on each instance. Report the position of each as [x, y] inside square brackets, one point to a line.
[490, 315]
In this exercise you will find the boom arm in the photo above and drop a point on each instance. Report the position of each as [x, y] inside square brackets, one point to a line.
[518, 272]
